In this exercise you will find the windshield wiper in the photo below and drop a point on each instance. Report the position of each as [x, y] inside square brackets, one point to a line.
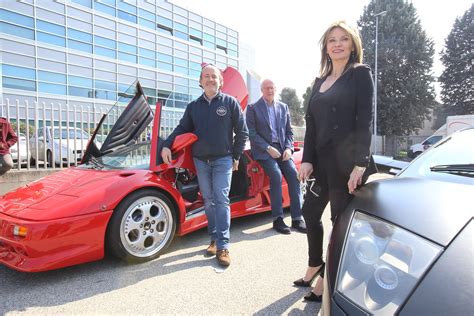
[95, 163]
[462, 169]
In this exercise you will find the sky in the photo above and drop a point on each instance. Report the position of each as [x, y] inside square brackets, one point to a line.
[285, 34]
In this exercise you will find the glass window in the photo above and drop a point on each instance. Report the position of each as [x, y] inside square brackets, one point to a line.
[109, 2]
[19, 72]
[232, 46]
[195, 25]
[165, 77]
[51, 54]
[102, 41]
[80, 81]
[195, 33]
[164, 49]
[180, 62]
[208, 37]
[78, 35]
[79, 25]
[147, 23]
[165, 41]
[209, 30]
[127, 16]
[20, 84]
[181, 27]
[164, 57]
[80, 15]
[50, 16]
[127, 48]
[209, 45]
[232, 33]
[50, 27]
[146, 14]
[194, 73]
[86, 3]
[105, 65]
[165, 30]
[81, 71]
[181, 81]
[146, 62]
[208, 23]
[17, 30]
[181, 35]
[51, 66]
[195, 65]
[124, 6]
[51, 77]
[147, 53]
[195, 58]
[181, 46]
[80, 92]
[51, 88]
[16, 18]
[181, 70]
[164, 21]
[104, 8]
[105, 52]
[221, 35]
[106, 95]
[127, 57]
[164, 66]
[233, 53]
[79, 46]
[51, 39]
[232, 40]
[181, 104]
[195, 17]
[103, 32]
[221, 42]
[100, 84]
[180, 54]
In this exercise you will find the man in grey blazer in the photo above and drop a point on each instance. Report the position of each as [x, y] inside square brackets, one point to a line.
[271, 140]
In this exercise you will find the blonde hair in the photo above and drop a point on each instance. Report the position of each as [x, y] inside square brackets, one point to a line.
[356, 56]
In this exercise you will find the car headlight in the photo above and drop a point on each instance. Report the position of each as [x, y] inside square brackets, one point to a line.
[382, 263]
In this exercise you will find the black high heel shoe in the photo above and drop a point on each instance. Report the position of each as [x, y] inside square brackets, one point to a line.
[311, 297]
[303, 283]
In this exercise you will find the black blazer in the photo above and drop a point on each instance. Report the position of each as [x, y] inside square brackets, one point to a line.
[349, 120]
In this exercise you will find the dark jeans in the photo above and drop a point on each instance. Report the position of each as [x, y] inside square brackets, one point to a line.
[332, 188]
[275, 168]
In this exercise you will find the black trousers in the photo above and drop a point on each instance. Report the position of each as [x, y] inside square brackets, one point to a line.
[331, 186]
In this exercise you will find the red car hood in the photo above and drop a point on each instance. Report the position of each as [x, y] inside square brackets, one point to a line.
[71, 192]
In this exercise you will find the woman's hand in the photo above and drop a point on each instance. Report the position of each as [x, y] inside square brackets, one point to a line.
[355, 178]
[305, 171]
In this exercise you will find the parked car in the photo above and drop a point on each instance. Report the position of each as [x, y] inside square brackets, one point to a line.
[19, 151]
[417, 149]
[61, 145]
[122, 198]
[404, 245]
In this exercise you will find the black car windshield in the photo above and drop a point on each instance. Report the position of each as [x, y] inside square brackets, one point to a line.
[452, 159]
[131, 157]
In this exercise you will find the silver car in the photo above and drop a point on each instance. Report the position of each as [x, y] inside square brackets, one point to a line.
[61, 145]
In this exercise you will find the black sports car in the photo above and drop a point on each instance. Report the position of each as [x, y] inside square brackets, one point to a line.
[405, 245]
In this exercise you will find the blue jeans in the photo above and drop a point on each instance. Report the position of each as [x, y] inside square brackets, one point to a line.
[274, 168]
[214, 178]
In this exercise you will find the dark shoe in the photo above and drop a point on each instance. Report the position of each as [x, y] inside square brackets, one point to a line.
[223, 257]
[301, 282]
[212, 249]
[311, 297]
[280, 226]
[299, 225]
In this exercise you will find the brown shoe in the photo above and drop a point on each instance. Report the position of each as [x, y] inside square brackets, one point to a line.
[212, 249]
[223, 257]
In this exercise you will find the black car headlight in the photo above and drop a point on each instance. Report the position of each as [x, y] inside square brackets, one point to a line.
[382, 263]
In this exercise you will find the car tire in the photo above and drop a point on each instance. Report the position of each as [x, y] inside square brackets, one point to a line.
[49, 159]
[32, 162]
[142, 226]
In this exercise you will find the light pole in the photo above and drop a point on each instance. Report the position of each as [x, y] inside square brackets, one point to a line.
[376, 72]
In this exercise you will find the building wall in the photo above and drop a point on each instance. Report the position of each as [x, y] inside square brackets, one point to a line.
[87, 52]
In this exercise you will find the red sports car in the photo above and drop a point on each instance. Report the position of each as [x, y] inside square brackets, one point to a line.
[122, 198]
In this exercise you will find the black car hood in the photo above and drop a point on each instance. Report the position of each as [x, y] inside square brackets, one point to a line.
[436, 210]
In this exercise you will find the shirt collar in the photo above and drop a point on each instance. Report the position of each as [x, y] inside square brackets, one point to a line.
[204, 97]
[268, 104]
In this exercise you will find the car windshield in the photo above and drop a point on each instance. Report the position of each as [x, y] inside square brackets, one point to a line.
[136, 156]
[71, 134]
[450, 160]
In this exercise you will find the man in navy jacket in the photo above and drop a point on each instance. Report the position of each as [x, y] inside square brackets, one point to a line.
[271, 140]
[214, 117]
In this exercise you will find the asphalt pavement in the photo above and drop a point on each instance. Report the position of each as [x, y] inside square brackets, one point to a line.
[182, 281]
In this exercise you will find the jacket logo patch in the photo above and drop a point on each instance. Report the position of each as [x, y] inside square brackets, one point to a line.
[221, 111]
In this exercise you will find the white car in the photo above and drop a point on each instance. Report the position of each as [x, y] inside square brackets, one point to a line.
[19, 151]
[61, 145]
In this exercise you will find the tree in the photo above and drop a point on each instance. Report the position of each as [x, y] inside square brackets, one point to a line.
[405, 83]
[288, 96]
[457, 78]
[306, 97]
